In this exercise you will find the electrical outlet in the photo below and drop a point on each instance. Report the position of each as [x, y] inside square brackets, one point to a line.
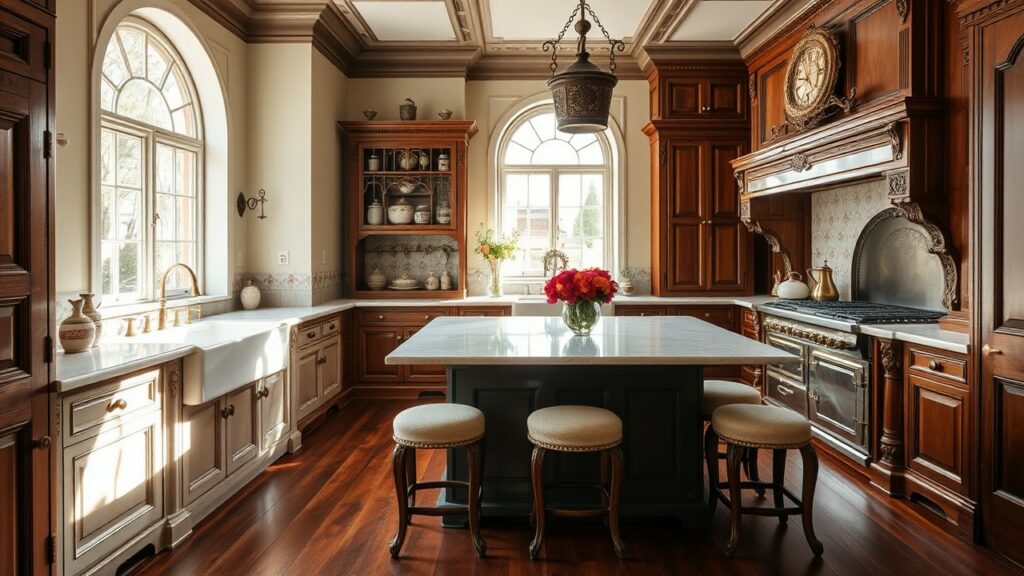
[282, 257]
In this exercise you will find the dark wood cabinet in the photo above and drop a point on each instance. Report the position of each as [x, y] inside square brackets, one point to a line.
[699, 91]
[379, 332]
[27, 444]
[723, 316]
[750, 327]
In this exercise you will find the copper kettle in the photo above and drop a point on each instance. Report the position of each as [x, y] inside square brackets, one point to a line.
[824, 287]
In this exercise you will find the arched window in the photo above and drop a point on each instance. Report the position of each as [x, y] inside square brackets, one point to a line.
[556, 190]
[151, 164]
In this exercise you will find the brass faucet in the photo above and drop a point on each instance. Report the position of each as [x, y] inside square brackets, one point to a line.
[161, 321]
[554, 261]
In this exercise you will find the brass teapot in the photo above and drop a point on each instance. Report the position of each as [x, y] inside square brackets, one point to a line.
[824, 287]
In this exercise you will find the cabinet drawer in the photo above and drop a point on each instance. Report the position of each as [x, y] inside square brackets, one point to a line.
[116, 400]
[642, 310]
[309, 334]
[784, 392]
[402, 317]
[749, 318]
[723, 316]
[937, 365]
[330, 327]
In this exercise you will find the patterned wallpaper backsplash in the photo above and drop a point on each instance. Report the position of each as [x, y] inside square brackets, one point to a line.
[417, 256]
[837, 218]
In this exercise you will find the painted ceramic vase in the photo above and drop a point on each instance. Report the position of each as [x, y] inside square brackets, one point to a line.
[433, 282]
[446, 281]
[250, 296]
[376, 280]
[90, 310]
[77, 332]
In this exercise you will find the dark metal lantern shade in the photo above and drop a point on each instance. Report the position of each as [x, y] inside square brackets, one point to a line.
[582, 93]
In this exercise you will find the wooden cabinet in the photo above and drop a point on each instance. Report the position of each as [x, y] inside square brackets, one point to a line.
[241, 425]
[483, 311]
[644, 310]
[939, 423]
[402, 166]
[699, 91]
[203, 459]
[379, 332]
[273, 409]
[112, 462]
[750, 327]
[318, 361]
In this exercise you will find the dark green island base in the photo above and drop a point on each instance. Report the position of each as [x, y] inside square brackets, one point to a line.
[661, 411]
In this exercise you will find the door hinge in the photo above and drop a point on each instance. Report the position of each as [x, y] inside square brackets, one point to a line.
[47, 144]
[48, 54]
[48, 349]
[51, 549]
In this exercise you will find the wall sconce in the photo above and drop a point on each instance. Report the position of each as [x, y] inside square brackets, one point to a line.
[242, 203]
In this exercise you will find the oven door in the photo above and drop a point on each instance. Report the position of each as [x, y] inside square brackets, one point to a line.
[794, 372]
[837, 396]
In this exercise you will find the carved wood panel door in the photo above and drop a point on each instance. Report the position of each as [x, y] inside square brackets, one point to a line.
[25, 443]
[1001, 173]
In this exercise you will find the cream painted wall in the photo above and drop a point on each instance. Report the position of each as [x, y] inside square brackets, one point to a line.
[330, 97]
[78, 28]
[489, 102]
[279, 161]
[385, 95]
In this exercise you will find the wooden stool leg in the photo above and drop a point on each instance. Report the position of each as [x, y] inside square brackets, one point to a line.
[810, 480]
[750, 466]
[475, 453]
[613, 508]
[537, 475]
[410, 478]
[401, 488]
[734, 457]
[779, 480]
[711, 457]
[605, 476]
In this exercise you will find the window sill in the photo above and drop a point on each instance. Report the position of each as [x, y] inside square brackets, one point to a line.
[144, 307]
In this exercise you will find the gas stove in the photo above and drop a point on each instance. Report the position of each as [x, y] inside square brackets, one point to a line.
[858, 312]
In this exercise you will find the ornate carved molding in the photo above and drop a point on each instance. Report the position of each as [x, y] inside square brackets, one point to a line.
[903, 9]
[752, 86]
[895, 139]
[800, 162]
[899, 187]
[968, 18]
[769, 235]
[173, 379]
[662, 153]
[939, 247]
[891, 441]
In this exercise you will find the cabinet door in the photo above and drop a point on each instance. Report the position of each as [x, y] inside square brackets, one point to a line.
[374, 344]
[202, 449]
[727, 238]
[938, 432]
[330, 368]
[273, 393]
[684, 203]
[113, 489]
[242, 428]
[307, 380]
[423, 373]
[724, 99]
[682, 98]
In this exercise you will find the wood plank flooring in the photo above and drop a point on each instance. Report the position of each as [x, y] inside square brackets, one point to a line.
[330, 509]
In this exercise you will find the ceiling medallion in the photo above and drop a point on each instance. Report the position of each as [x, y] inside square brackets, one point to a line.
[811, 79]
[582, 93]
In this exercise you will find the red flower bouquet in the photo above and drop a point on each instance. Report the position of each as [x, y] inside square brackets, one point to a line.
[583, 292]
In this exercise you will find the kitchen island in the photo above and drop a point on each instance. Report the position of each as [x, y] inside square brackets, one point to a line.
[648, 370]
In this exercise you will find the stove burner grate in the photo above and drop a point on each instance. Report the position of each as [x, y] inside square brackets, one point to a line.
[859, 312]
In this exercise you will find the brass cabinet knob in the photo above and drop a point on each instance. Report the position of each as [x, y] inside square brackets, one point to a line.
[643, 313]
[311, 334]
[707, 315]
[987, 350]
[263, 393]
[228, 412]
[42, 443]
[399, 337]
[119, 404]
[381, 317]
[935, 366]
[426, 316]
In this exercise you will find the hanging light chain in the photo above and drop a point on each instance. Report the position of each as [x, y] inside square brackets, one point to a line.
[615, 45]
[553, 44]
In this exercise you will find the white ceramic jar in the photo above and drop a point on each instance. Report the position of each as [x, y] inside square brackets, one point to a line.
[400, 212]
[422, 214]
[794, 288]
[250, 296]
[444, 213]
[375, 214]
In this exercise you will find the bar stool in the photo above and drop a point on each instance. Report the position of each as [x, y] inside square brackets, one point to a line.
[718, 393]
[437, 426]
[743, 426]
[577, 429]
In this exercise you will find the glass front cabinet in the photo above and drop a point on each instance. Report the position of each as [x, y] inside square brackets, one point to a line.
[405, 192]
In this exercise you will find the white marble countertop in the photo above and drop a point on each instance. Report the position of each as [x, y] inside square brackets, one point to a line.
[110, 360]
[531, 340]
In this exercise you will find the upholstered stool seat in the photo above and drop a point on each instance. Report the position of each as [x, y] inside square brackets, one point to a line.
[437, 426]
[746, 427]
[761, 426]
[574, 428]
[577, 429]
[718, 393]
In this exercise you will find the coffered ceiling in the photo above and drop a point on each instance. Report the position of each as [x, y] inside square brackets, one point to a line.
[501, 39]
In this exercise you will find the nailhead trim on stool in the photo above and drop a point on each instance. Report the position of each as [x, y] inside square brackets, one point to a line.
[746, 426]
[437, 426]
[577, 429]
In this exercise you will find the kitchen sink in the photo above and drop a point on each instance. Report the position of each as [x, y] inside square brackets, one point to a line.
[229, 354]
[538, 306]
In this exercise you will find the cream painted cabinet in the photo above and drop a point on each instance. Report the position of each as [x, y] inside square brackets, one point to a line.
[307, 371]
[241, 427]
[112, 459]
[317, 361]
[203, 462]
[273, 403]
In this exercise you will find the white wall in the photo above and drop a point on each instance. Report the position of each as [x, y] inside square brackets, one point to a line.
[385, 95]
[329, 101]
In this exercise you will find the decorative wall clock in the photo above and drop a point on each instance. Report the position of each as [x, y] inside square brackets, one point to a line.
[811, 79]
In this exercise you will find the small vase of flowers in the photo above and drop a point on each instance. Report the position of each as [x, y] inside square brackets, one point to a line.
[495, 249]
[583, 292]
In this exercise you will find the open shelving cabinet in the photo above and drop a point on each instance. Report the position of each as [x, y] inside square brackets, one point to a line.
[415, 164]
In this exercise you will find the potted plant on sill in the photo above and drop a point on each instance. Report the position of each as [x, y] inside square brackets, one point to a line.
[495, 249]
[583, 292]
[626, 281]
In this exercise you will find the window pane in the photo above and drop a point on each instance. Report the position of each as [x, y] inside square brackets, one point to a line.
[164, 169]
[165, 221]
[164, 258]
[156, 64]
[187, 254]
[540, 190]
[516, 154]
[592, 154]
[516, 189]
[184, 218]
[107, 157]
[184, 169]
[526, 137]
[106, 267]
[106, 95]
[128, 214]
[555, 152]
[141, 101]
[129, 160]
[128, 269]
[134, 44]
[544, 124]
[113, 64]
[173, 89]
[184, 120]
[569, 190]
[107, 208]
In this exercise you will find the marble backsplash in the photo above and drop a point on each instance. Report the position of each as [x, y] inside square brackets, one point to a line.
[837, 218]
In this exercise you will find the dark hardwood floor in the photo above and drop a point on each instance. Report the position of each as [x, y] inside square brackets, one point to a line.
[329, 509]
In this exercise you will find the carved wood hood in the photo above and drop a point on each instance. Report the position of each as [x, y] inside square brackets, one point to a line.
[880, 141]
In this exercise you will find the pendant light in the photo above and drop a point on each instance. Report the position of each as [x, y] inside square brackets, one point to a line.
[582, 92]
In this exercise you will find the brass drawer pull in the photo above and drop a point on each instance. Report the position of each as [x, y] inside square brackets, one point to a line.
[263, 393]
[399, 337]
[643, 313]
[707, 315]
[330, 326]
[228, 412]
[987, 350]
[119, 404]
[42, 443]
[311, 334]
[935, 366]
[783, 390]
[381, 317]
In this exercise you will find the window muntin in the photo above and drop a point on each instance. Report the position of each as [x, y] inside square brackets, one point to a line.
[555, 188]
[151, 176]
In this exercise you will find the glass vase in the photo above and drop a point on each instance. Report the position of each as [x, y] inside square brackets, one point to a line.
[581, 317]
[494, 282]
